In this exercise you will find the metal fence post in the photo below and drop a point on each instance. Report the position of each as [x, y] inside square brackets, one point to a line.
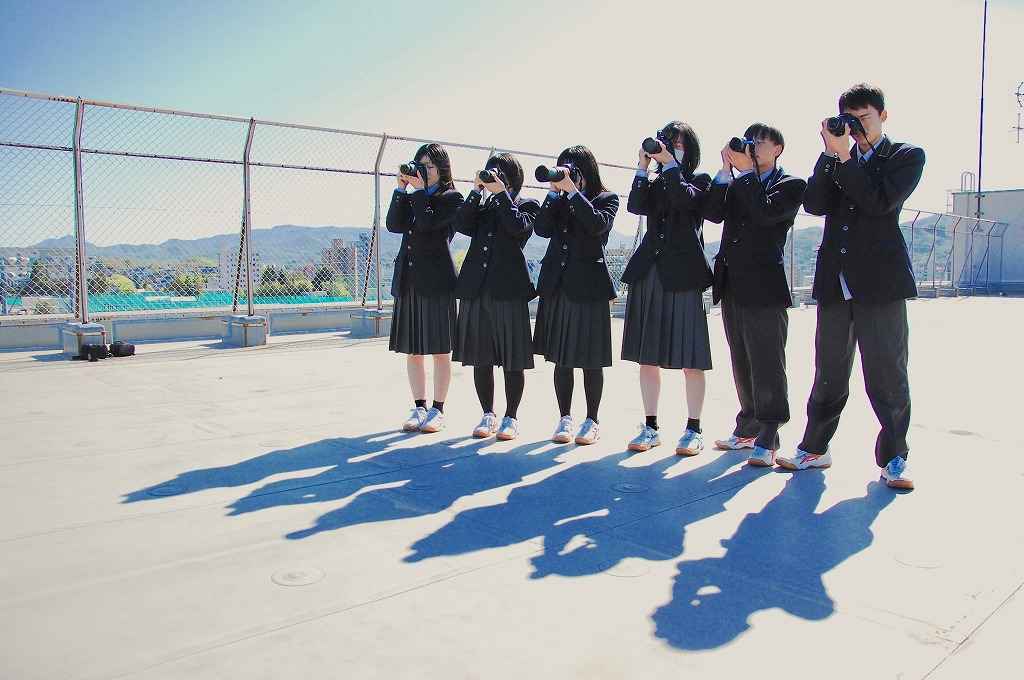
[376, 225]
[81, 287]
[247, 221]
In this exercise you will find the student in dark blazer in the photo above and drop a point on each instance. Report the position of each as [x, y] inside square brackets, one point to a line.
[423, 211]
[665, 325]
[573, 327]
[494, 290]
[758, 206]
[862, 281]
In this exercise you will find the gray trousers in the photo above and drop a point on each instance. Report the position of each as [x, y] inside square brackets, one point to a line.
[881, 332]
[757, 345]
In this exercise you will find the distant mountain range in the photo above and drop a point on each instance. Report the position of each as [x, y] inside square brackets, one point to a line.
[289, 245]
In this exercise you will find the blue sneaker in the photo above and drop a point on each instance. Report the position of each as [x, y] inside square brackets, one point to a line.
[647, 439]
[761, 457]
[895, 474]
[690, 444]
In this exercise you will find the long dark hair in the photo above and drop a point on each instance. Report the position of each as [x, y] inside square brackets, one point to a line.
[676, 131]
[583, 159]
[510, 168]
[439, 156]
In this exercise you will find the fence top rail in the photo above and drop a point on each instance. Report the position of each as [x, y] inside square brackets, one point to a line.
[295, 126]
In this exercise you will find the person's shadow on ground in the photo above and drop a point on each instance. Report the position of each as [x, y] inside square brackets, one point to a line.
[593, 515]
[776, 559]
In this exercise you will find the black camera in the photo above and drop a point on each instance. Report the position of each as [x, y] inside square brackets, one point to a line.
[739, 144]
[491, 174]
[653, 145]
[837, 125]
[546, 174]
[413, 169]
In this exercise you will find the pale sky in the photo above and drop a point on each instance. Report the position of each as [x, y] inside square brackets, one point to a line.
[541, 76]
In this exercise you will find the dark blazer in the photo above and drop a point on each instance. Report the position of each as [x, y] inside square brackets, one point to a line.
[674, 240]
[427, 226]
[499, 231]
[757, 221]
[578, 232]
[862, 235]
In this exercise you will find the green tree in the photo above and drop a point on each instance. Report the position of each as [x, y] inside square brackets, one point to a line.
[121, 284]
[40, 283]
[99, 282]
[185, 285]
[44, 307]
[324, 277]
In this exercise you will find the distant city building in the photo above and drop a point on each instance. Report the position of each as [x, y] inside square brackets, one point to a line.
[228, 268]
[344, 259]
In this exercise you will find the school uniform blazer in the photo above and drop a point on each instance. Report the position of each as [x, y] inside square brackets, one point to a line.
[862, 238]
[499, 231]
[578, 232]
[673, 241]
[427, 226]
[757, 220]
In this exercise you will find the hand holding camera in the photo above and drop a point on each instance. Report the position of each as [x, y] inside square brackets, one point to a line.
[562, 178]
[836, 145]
[491, 179]
[738, 154]
[658, 149]
[414, 173]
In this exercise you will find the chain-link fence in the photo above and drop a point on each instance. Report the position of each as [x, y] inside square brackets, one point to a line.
[113, 208]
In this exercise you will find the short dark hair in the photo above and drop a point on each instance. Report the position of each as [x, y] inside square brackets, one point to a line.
[510, 168]
[861, 96]
[764, 131]
[439, 155]
[583, 159]
[691, 145]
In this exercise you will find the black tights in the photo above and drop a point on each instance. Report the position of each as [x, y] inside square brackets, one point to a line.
[515, 382]
[593, 387]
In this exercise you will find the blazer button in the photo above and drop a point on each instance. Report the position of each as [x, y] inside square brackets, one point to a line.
[410, 264]
[842, 250]
[410, 231]
[490, 233]
[565, 247]
[657, 252]
[846, 227]
[735, 240]
[661, 236]
[485, 265]
[563, 264]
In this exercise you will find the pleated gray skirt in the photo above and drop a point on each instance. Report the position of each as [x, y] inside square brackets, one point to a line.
[665, 329]
[573, 334]
[422, 325]
[494, 333]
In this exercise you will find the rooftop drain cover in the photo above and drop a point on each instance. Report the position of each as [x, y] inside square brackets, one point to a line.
[630, 488]
[624, 569]
[166, 490]
[297, 576]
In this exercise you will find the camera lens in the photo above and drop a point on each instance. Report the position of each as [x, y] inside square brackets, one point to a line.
[546, 174]
[737, 144]
[412, 168]
[836, 125]
[651, 145]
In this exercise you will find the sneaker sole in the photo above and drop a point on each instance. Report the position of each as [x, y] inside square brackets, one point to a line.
[688, 452]
[900, 485]
[641, 447]
[585, 442]
[726, 447]
[507, 437]
[757, 462]
[791, 466]
[431, 430]
[561, 440]
[411, 428]
[481, 435]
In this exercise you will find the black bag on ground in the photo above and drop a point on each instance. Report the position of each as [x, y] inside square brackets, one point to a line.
[122, 349]
[94, 352]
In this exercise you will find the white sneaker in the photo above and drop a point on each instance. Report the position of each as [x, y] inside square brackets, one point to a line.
[802, 460]
[509, 429]
[488, 426]
[589, 432]
[416, 420]
[565, 432]
[761, 457]
[894, 474]
[733, 443]
[647, 439]
[690, 444]
[434, 421]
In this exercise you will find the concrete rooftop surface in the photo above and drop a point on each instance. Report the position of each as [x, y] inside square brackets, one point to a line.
[199, 512]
